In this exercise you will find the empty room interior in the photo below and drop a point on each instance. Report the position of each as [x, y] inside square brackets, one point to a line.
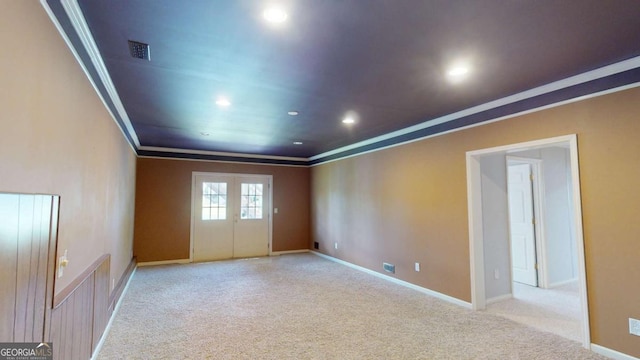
[320, 179]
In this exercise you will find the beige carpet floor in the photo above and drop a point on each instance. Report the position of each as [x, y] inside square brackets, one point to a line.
[554, 310]
[305, 307]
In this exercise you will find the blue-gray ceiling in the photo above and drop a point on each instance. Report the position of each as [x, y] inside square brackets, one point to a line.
[386, 61]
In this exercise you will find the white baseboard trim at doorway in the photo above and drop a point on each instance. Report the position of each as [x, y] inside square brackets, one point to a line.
[426, 291]
[164, 262]
[612, 354]
[499, 298]
[562, 283]
[278, 253]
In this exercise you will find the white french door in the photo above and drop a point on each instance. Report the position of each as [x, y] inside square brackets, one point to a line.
[230, 216]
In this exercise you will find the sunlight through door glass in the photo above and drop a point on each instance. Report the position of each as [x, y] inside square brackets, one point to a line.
[251, 201]
[214, 201]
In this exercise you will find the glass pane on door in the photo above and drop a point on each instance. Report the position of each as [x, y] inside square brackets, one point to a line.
[214, 201]
[251, 198]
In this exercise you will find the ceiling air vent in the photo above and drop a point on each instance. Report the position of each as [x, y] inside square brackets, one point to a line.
[139, 50]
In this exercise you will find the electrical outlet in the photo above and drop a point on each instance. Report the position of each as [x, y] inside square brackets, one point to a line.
[389, 268]
[275, 210]
[417, 266]
[316, 245]
[496, 274]
[634, 326]
[335, 246]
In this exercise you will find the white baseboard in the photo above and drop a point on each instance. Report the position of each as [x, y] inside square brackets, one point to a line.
[113, 316]
[278, 253]
[187, 261]
[560, 283]
[496, 299]
[164, 262]
[612, 354]
[429, 292]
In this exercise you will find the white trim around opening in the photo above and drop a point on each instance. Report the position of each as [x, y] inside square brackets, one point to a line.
[474, 198]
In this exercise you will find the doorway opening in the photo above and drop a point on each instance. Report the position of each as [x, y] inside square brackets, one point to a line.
[230, 216]
[552, 259]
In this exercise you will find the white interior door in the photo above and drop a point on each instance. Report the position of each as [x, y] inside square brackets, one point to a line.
[522, 233]
[230, 216]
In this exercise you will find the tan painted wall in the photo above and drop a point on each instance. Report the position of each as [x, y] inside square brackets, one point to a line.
[163, 205]
[56, 137]
[409, 203]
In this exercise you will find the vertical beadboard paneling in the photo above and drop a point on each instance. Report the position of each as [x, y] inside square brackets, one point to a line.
[66, 342]
[42, 265]
[72, 323]
[83, 319]
[26, 221]
[9, 205]
[100, 302]
[53, 332]
[25, 230]
[78, 321]
[86, 344]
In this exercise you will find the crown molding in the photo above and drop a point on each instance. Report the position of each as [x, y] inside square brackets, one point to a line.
[599, 73]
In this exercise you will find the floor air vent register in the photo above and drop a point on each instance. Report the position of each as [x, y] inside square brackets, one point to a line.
[389, 268]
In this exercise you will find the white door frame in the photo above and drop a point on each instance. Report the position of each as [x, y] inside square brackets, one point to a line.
[193, 202]
[474, 198]
[538, 214]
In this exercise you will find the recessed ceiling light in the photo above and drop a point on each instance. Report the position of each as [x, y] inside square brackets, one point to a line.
[297, 143]
[458, 72]
[223, 102]
[275, 14]
[293, 113]
[350, 117]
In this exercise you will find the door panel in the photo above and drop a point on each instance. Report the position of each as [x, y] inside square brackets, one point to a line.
[231, 216]
[252, 220]
[213, 222]
[522, 234]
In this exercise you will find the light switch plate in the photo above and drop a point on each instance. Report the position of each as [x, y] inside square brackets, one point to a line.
[62, 263]
[60, 267]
